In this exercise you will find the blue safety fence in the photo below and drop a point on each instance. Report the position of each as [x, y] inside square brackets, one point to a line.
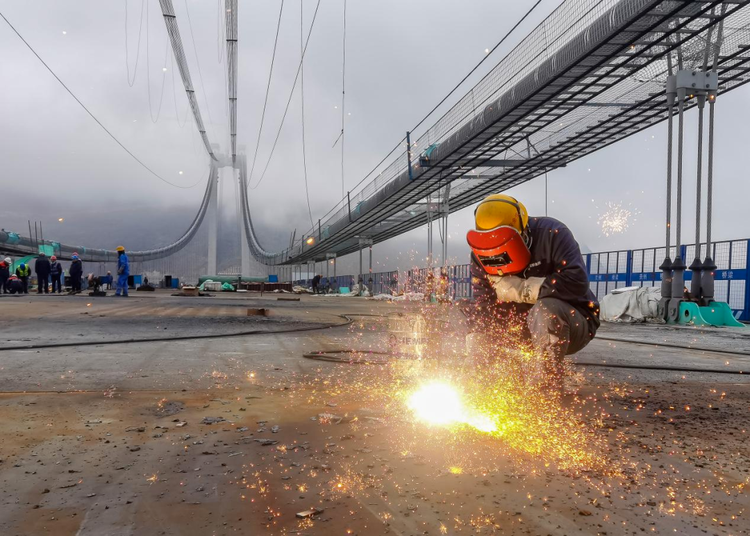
[609, 270]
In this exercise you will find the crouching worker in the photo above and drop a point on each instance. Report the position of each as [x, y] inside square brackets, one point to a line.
[529, 280]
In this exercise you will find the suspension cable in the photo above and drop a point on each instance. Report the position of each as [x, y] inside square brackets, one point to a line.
[151, 171]
[268, 90]
[174, 94]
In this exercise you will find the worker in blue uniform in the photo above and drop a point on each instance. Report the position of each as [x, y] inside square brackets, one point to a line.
[529, 280]
[123, 271]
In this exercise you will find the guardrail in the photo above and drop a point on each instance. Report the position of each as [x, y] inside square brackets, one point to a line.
[607, 271]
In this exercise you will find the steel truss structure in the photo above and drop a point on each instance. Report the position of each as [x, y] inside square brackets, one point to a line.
[591, 74]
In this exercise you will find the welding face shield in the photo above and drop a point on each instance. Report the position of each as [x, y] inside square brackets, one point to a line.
[500, 251]
[499, 241]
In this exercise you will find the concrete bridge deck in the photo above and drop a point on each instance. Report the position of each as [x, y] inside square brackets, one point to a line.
[93, 440]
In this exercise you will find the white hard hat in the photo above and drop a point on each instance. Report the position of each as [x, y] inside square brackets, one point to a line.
[7, 259]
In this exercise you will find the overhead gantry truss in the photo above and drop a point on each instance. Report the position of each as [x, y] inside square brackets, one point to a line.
[591, 74]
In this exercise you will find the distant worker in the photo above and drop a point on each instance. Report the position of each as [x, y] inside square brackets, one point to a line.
[109, 280]
[123, 271]
[529, 273]
[42, 269]
[55, 273]
[5, 274]
[316, 283]
[75, 272]
[23, 272]
[15, 285]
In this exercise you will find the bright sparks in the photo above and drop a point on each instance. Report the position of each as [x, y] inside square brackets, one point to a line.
[439, 404]
[615, 220]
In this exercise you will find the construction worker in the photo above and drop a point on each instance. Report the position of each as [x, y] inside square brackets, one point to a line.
[15, 285]
[123, 271]
[5, 274]
[75, 272]
[42, 269]
[316, 283]
[529, 277]
[23, 272]
[55, 273]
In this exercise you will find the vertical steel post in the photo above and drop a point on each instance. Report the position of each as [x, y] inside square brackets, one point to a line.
[213, 220]
[678, 277]
[408, 154]
[429, 232]
[697, 266]
[709, 266]
[361, 275]
[446, 213]
[666, 266]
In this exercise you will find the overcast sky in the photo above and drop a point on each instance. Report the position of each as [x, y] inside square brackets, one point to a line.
[402, 58]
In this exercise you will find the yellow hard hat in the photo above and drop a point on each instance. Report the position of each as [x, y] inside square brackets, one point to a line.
[120, 248]
[500, 209]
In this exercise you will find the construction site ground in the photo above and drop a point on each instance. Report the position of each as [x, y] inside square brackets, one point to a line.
[229, 429]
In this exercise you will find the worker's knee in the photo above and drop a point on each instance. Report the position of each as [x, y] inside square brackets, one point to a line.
[547, 316]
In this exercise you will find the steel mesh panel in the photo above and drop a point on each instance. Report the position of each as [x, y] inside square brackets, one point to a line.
[721, 255]
[736, 299]
[739, 255]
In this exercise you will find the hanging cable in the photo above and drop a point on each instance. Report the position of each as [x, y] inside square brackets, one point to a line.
[91, 114]
[198, 63]
[268, 90]
[343, 100]
[148, 75]
[220, 33]
[487, 55]
[289, 100]
[138, 49]
[401, 141]
[302, 100]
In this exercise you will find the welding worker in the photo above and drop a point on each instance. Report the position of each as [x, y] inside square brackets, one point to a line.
[23, 272]
[55, 273]
[42, 269]
[316, 283]
[75, 272]
[123, 271]
[4, 274]
[528, 273]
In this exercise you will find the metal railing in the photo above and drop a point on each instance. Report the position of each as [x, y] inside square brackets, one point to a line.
[607, 271]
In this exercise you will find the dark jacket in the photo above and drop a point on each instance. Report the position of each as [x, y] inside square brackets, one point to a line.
[555, 255]
[55, 268]
[76, 269]
[41, 266]
[4, 271]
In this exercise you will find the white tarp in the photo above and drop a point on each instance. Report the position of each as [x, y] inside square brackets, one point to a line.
[631, 304]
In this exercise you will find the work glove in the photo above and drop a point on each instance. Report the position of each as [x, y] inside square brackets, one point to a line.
[511, 288]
